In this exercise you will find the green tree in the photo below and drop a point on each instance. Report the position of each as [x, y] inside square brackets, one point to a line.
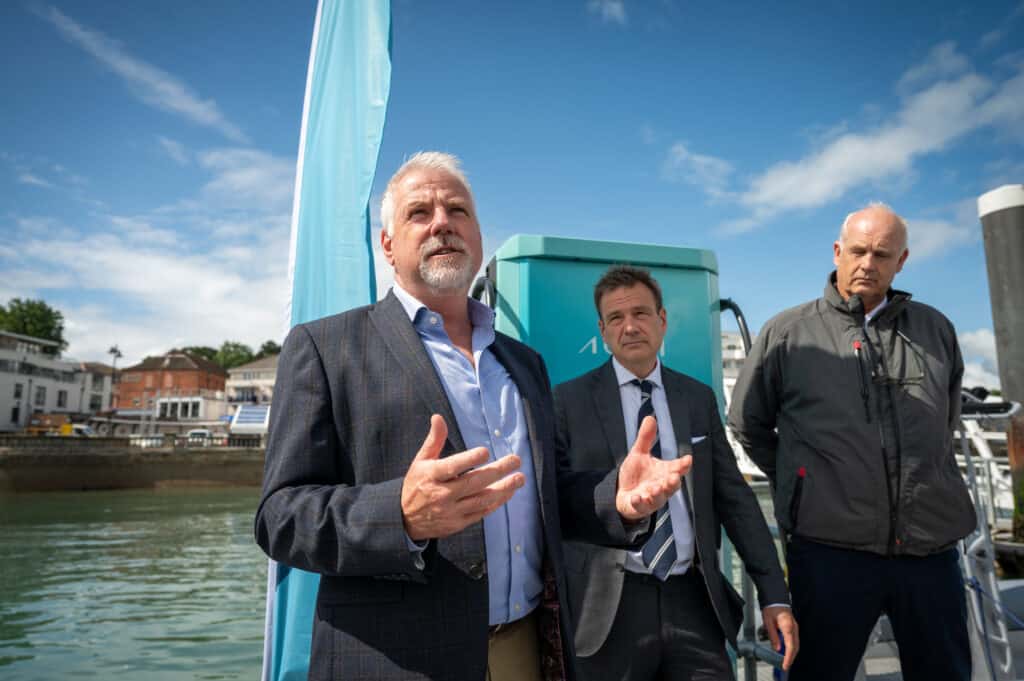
[34, 318]
[233, 354]
[267, 349]
[204, 351]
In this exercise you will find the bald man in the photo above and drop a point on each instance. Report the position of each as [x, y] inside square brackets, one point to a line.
[848, 404]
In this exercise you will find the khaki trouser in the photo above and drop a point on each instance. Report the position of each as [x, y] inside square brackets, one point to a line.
[512, 651]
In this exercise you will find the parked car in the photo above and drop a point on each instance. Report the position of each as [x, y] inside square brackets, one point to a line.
[199, 436]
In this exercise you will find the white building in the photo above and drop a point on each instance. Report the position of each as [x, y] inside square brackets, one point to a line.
[96, 382]
[34, 379]
[252, 383]
[732, 355]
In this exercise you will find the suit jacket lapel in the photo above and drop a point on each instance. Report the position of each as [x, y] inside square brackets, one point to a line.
[399, 336]
[679, 410]
[608, 404]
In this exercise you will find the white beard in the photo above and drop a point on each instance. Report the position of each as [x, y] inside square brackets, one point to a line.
[453, 272]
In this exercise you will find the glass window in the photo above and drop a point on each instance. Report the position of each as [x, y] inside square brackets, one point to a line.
[195, 409]
[95, 402]
[62, 399]
[40, 396]
[15, 413]
[97, 382]
[17, 391]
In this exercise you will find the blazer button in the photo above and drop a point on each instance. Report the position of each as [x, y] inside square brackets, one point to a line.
[477, 570]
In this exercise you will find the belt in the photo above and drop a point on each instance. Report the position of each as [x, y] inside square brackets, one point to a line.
[506, 627]
[647, 578]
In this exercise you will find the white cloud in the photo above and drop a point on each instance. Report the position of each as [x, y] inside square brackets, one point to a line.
[942, 62]
[34, 180]
[247, 178]
[610, 11]
[929, 238]
[980, 366]
[176, 150]
[928, 121]
[205, 298]
[979, 344]
[977, 375]
[140, 231]
[706, 172]
[152, 85]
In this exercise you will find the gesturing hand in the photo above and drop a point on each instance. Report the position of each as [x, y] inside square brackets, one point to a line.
[646, 482]
[442, 496]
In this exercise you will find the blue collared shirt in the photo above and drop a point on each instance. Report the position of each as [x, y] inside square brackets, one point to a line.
[489, 413]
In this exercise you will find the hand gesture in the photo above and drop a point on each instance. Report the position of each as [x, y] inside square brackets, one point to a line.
[646, 482]
[443, 496]
[778, 618]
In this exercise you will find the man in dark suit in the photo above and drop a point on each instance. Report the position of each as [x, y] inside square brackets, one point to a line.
[664, 611]
[411, 463]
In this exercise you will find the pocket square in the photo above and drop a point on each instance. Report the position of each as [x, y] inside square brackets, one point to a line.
[694, 440]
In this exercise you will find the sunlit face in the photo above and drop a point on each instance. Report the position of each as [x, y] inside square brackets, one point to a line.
[868, 258]
[632, 327]
[435, 246]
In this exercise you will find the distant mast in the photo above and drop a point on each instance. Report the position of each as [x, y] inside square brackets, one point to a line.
[1002, 224]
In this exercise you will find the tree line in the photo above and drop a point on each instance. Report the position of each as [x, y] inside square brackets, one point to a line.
[37, 319]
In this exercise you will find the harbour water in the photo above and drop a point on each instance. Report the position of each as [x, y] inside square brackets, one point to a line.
[156, 585]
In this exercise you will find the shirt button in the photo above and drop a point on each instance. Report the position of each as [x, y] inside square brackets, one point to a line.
[519, 549]
[497, 433]
[433, 320]
[518, 607]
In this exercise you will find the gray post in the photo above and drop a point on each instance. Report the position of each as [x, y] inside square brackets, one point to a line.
[1002, 221]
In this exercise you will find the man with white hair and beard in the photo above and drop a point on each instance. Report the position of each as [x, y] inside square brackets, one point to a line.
[411, 463]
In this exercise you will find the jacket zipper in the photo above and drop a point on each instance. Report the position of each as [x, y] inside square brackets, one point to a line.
[794, 502]
[864, 398]
[893, 516]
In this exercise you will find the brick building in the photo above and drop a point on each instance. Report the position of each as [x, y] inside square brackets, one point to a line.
[172, 386]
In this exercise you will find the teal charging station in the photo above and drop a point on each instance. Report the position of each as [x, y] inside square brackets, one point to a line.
[545, 298]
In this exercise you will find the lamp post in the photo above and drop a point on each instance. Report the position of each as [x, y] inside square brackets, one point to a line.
[115, 353]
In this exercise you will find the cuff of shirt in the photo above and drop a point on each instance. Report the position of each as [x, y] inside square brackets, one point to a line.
[416, 548]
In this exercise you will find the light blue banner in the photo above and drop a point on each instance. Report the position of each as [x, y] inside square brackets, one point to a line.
[331, 262]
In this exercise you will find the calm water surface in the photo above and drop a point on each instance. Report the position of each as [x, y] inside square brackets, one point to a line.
[156, 585]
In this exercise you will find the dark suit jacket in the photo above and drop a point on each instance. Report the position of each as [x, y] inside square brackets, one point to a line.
[351, 408]
[591, 432]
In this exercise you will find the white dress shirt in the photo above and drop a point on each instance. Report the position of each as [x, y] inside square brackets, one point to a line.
[682, 528]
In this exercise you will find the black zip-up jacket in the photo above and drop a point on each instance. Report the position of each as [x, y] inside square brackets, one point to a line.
[863, 453]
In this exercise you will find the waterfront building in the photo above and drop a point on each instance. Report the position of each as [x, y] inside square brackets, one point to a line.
[253, 383]
[172, 387]
[96, 385]
[33, 378]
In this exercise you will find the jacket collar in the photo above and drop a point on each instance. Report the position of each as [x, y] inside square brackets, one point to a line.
[854, 307]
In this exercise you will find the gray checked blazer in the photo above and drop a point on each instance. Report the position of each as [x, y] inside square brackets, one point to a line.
[591, 433]
[351, 408]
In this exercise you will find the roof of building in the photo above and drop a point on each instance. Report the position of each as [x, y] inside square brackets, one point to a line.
[177, 361]
[268, 362]
[98, 368]
[31, 339]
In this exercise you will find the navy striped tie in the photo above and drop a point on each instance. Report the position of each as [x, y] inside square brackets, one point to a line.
[659, 553]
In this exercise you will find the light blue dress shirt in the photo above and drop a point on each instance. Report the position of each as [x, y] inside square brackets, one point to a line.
[682, 528]
[489, 413]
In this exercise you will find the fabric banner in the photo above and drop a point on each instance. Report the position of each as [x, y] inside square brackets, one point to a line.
[330, 267]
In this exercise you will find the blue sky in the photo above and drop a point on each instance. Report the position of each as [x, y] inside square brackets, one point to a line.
[147, 150]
